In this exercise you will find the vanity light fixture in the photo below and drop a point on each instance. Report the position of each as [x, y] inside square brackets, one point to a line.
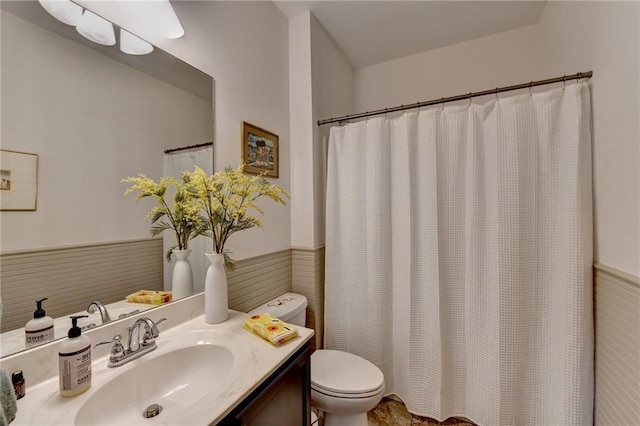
[96, 29]
[63, 10]
[151, 19]
[133, 45]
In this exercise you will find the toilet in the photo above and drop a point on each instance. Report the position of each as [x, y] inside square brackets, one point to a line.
[344, 386]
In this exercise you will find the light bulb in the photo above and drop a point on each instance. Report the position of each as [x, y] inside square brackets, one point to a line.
[133, 45]
[63, 10]
[96, 29]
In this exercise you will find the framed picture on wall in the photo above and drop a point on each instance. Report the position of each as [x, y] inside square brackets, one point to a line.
[259, 150]
[18, 180]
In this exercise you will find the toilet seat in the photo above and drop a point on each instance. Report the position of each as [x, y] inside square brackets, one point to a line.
[347, 395]
[344, 375]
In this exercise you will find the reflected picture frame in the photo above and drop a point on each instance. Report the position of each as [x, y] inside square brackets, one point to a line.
[18, 181]
[259, 150]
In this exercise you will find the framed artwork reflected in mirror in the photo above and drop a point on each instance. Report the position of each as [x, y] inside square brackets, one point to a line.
[18, 181]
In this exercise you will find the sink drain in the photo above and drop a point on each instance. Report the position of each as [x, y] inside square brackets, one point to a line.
[152, 411]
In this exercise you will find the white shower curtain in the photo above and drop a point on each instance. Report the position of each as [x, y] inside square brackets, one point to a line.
[174, 164]
[459, 253]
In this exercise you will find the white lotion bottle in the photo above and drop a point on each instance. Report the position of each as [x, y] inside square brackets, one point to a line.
[39, 329]
[74, 361]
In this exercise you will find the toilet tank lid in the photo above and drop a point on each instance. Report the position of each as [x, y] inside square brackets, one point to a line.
[284, 307]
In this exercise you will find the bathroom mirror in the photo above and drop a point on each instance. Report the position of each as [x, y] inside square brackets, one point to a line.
[93, 115]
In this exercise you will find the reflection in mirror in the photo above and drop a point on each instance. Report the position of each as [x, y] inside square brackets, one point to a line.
[94, 116]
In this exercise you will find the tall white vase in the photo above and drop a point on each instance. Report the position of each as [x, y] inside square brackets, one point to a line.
[216, 302]
[182, 278]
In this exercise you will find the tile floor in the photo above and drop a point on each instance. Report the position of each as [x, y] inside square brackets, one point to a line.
[393, 413]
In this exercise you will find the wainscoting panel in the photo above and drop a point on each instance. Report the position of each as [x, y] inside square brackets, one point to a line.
[617, 313]
[308, 279]
[259, 279]
[73, 277]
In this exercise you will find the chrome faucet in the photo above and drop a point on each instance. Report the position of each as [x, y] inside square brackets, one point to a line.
[150, 333]
[137, 344]
[104, 314]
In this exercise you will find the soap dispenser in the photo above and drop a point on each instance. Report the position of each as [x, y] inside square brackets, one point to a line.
[74, 361]
[40, 329]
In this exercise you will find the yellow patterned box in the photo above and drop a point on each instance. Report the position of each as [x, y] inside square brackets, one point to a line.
[150, 296]
[270, 328]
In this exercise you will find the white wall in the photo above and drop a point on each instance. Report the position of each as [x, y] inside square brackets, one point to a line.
[302, 132]
[244, 46]
[604, 37]
[332, 81]
[501, 59]
[321, 85]
[87, 135]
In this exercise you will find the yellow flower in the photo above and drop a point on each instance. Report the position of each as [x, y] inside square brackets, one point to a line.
[182, 215]
[227, 199]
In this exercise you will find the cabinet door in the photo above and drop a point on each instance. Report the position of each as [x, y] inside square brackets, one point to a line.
[284, 399]
[281, 405]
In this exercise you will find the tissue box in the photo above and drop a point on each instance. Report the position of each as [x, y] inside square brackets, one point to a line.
[152, 297]
[270, 328]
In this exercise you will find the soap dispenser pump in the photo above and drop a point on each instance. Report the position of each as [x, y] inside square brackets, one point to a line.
[74, 361]
[40, 329]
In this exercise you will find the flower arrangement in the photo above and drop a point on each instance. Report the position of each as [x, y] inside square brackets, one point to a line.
[228, 199]
[182, 216]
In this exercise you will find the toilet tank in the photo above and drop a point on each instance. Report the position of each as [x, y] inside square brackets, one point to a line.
[290, 308]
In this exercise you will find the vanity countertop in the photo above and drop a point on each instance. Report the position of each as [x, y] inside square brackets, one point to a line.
[43, 404]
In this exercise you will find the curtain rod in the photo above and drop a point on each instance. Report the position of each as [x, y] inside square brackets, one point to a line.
[497, 90]
[169, 151]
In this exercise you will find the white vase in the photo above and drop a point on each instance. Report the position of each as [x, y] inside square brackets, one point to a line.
[182, 278]
[216, 303]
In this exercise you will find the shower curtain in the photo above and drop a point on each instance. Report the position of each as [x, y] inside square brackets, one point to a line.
[459, 253]
[174, 164]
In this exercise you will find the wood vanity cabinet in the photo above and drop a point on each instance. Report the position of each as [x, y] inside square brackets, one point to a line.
[284, 399]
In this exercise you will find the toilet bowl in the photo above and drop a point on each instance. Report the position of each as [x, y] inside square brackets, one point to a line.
[344, 386]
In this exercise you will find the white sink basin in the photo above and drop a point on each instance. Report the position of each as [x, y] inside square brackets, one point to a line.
[182, 371]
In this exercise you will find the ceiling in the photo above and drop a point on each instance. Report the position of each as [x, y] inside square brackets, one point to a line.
[371, 32]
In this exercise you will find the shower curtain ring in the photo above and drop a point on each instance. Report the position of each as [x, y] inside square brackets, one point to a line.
[530, 86]
[564, 82]
[470, 98]
[442, 100]
[497, 97]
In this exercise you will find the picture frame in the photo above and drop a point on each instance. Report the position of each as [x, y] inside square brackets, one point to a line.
[259, 150]
[18, 181]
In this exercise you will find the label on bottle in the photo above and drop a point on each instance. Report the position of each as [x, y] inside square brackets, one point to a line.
[75, 369]
[37, 337]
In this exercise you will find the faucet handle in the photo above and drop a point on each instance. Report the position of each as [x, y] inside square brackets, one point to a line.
[117, 350]
[151, 333]
[116, 339]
